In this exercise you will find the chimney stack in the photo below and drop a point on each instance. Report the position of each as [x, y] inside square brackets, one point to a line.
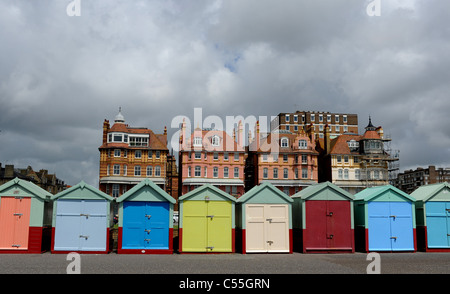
[327, 141]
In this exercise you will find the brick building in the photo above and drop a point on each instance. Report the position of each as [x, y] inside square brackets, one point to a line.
[410, 180]
[287, 160]
[339, 123]
[130, 154]
[48, 182]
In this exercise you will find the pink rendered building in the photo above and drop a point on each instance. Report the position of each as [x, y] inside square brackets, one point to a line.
[212, 157]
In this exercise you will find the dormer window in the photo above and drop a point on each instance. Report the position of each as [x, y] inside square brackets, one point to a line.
[198, 141]
[302, 144]
[141, 141]
[284, 142]
[353, 144]
[215, 141]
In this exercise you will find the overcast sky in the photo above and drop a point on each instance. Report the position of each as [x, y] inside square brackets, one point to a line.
[61, 75]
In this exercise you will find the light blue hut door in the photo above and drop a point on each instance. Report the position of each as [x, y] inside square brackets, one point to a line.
[81, 225]
[438, 224]
[390, 226]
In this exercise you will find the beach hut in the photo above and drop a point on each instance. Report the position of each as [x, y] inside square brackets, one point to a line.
[384, 220]
[433, 217]
[82, 219]
[264, 220]
[207, 221]
[145, 220]
[323, 219]
[25, 217]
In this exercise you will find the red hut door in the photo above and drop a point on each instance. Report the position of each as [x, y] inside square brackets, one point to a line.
[328, 225]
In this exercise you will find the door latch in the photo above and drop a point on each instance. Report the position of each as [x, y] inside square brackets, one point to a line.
[210, 247]
[148, 216]
[395, 238]
[147, 240]
[83, 214]
[270, 242]
[269, 220]
[18, 214]
[85, 237]
[148, 231]
[330, 236]
[330, 213]
[15, 245]
[210, 216]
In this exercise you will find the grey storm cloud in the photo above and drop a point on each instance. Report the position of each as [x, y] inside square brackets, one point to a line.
[61, 76]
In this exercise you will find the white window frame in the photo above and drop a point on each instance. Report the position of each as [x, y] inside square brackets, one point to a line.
[137, 170]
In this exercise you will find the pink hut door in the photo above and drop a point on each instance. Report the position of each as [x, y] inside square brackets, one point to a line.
[14, 222]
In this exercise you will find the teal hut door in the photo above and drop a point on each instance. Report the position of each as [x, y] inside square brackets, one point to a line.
[438, 224]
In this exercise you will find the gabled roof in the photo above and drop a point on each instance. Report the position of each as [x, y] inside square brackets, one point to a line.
[425, 193]
[339, 145]
[258, 189]
[373, 192]
[317, 188]
[227, 143]
[26, 185]
[206, 187]
[272, 143]
[146, 183]
[156, 141]
[80, 188]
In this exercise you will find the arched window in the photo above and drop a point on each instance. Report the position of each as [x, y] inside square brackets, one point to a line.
[215, 140]
[284, 142]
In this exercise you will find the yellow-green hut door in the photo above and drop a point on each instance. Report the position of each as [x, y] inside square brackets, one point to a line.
[219, 226]
[207, 226]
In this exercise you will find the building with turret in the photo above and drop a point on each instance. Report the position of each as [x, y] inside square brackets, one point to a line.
[355, 162]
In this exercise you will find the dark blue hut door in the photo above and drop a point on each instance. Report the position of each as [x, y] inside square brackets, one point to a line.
[145, 225]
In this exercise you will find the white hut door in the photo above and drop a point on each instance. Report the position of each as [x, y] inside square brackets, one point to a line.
[277, 220]
[267, 228]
